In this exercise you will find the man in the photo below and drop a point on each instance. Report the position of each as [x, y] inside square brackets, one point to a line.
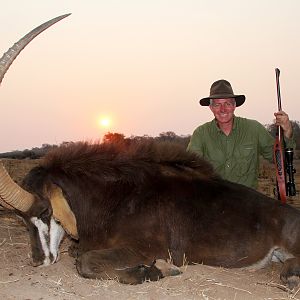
[233, 144]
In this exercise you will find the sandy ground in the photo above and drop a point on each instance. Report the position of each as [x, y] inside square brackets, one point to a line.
[19, 280]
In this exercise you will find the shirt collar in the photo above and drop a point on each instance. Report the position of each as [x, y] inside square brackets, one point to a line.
[214, 122]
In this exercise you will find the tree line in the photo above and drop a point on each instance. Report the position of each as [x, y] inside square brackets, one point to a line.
[170, 136]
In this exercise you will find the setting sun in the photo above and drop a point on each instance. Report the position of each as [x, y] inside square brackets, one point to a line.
[104, 122]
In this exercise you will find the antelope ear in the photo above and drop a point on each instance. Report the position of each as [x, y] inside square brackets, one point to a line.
[62, 211]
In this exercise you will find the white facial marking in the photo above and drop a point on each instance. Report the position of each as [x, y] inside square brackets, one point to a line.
[50, 239]
[56, 235]
[43, 230]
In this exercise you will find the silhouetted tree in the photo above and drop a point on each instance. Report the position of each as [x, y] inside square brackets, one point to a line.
[113, 137]
[174, 138]
[167, 136]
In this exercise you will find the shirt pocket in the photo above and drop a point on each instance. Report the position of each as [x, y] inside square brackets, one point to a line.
[246, 151]
[245, 160]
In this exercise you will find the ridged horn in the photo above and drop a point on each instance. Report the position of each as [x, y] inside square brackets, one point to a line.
[9, 56]
[12, 194]
[4, 204]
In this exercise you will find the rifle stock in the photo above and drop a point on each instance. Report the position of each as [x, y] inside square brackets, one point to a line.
[280, 169]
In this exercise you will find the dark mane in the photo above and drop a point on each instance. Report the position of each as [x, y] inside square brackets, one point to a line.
[83, 158]
[118, 177]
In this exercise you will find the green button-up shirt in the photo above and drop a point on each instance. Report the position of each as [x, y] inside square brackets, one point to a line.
[235, 157]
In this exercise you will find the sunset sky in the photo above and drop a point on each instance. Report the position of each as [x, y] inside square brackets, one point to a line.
[142, 65]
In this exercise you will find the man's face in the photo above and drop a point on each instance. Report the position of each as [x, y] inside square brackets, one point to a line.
[223, 109]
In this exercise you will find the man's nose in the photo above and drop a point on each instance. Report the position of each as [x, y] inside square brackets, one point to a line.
[222, 108]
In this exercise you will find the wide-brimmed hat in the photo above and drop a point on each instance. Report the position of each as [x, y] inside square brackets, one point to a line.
[222, 89]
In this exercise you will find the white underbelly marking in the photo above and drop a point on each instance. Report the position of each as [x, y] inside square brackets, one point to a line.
[275, 254]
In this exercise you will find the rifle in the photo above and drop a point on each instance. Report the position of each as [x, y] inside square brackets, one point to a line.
[283, 158]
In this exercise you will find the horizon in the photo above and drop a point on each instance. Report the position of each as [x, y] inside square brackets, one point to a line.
[143, 66]
[45, 144]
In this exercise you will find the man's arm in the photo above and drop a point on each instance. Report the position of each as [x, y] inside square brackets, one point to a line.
[266, 140]
[195, 144]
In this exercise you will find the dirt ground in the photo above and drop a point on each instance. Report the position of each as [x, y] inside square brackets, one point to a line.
[19, 280]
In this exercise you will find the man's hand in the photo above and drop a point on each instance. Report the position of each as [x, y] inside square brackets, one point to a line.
[282, 119]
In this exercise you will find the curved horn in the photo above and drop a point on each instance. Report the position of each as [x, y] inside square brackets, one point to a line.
[12, 194]
[9, 56]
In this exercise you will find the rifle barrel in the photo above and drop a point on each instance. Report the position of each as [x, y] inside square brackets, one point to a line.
[277, 71]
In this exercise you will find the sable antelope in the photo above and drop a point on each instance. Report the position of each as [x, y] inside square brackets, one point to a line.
[131, 206]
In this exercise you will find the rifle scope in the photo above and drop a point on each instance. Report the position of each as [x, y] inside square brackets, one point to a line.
[290, 170]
